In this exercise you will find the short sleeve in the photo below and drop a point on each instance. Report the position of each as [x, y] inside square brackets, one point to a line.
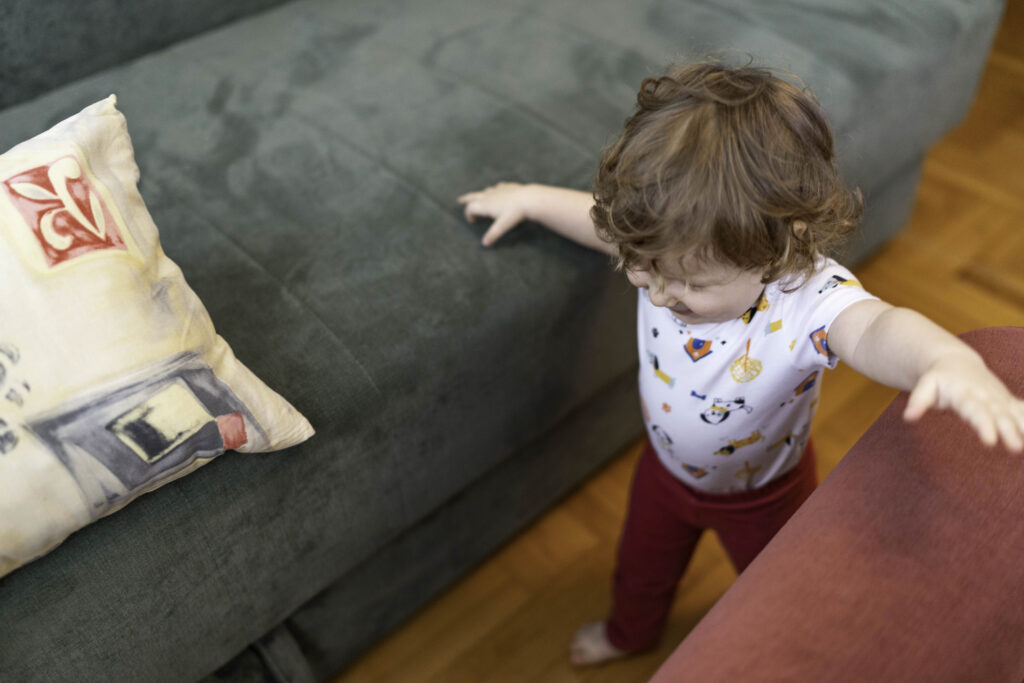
[813, 306]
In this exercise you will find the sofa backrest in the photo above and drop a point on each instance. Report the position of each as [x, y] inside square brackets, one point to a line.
[46, 44]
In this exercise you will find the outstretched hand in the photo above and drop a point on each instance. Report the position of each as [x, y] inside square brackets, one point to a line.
[965, 385]
[505, 203]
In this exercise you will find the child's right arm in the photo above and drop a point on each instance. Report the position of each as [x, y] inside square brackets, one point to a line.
[564, 211]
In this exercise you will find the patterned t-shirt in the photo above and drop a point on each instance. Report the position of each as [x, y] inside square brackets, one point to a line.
[728, 406]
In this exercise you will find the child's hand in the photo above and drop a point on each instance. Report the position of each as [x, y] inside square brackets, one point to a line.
[964, 384]
[562, 210]
[506, 203]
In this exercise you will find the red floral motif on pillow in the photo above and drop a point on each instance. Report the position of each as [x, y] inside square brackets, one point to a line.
[64, 211]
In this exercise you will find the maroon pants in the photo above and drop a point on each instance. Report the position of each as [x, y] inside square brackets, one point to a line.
[666, 519]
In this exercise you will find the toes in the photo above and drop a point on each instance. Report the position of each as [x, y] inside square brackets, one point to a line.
[590, 646]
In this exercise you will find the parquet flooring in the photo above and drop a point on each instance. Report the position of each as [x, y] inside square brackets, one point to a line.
[960, 261]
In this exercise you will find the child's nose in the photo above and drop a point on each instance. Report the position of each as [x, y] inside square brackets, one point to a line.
[660, 298]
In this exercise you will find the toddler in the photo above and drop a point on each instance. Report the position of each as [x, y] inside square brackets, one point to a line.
[720, 201]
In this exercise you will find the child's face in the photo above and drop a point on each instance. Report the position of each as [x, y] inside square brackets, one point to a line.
[701, 292]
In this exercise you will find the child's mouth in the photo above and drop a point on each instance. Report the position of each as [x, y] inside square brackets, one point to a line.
[681, 310]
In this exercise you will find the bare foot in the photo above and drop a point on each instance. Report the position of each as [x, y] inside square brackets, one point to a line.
[590, 645]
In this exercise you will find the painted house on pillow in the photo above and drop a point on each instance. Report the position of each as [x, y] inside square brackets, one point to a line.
[148, 425]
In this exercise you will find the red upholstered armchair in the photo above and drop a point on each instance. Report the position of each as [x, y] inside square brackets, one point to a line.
[907, 564]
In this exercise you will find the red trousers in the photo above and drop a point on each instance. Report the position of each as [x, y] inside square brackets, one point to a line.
[666, 519]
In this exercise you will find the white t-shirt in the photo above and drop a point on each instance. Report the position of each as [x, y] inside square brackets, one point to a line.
[728, 406]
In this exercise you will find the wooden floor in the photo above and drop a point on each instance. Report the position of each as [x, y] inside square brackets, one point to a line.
[960, 261]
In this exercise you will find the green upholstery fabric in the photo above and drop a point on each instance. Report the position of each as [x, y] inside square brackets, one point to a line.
[47, 44]
[302, 165]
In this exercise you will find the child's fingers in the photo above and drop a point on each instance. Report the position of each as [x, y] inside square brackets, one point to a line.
[1015, 420]
[1017, 409]
[994, 416]
[472, 202]
[982, 421]
[988, 430]
[474, 209]
[1017, 414]
[1010, 433]
[923, 397]
[499, 227]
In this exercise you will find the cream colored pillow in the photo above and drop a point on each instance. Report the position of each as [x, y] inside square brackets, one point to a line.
[113, 381]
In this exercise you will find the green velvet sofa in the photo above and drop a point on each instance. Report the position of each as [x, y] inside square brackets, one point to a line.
[302, 161]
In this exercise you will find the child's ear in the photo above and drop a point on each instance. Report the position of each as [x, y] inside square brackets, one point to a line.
[799, 228]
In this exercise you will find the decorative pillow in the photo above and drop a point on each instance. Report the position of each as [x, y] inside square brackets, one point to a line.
[112, 379]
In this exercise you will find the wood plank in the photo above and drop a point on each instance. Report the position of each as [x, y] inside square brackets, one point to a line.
[440, 634]
[990, 144]
[1008, 42]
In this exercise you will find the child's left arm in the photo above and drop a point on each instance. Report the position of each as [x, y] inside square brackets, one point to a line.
[905, 350]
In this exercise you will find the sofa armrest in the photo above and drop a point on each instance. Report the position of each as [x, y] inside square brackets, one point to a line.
[904, 565]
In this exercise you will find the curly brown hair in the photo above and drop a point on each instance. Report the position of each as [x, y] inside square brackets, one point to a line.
[720, 162]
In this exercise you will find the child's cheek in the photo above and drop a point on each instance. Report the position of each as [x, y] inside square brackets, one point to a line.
[700, 301]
